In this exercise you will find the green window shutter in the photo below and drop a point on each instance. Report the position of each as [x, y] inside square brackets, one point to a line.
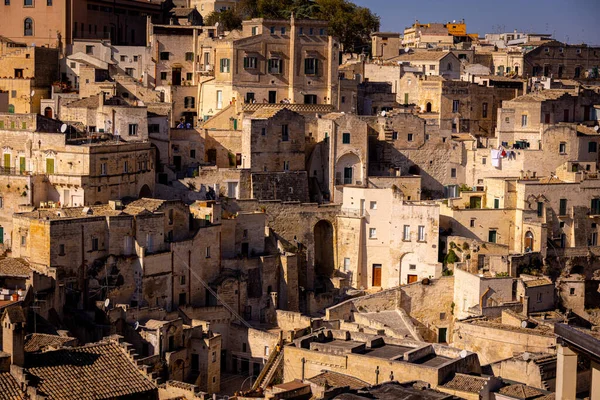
[49, 166]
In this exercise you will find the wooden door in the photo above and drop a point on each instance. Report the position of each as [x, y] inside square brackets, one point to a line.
[376, 275]
[412, 278]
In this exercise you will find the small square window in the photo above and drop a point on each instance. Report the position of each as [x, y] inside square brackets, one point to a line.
[346, 138]
[410, 137]
[572, 291]
[163, 76]
[372, 233]
[164, 56]
[453, 172]
[373, 205]
[412, 267]
[472, 224]
[61, 249]
[394, 135]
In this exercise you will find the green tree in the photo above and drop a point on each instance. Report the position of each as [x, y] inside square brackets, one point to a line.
[228, 19]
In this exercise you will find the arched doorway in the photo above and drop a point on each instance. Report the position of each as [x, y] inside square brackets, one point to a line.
[48, 112]
[324, 260]
[428, 107]
[145, 192]
[528, 242]
[348, 170]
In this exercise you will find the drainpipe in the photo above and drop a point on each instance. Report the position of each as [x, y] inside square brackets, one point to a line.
[304, 362]
[377, 375]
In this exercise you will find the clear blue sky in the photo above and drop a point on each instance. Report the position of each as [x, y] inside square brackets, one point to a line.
[574, 20]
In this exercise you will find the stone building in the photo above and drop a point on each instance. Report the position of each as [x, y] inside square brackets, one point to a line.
[269, 61]
[42, 167]
[426, 35]
[385, 241]
[205, 7]
[432, 63]
[373, 358]
[386, 45]
[99, 114]
[57, 24]
[27, 73]
[560, 60]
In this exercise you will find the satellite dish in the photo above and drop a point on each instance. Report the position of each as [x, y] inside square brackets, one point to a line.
[526, 356]
[106, 303]
[463, 354]
[383, 113]
[136, 325]
[63, 129]
[32, 93]
[596, 128]
[524, 324]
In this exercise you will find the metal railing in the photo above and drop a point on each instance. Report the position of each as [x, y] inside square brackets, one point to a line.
[14, 171]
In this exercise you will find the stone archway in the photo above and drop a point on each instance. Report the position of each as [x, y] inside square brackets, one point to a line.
[145, 192]
[348, 170]
[428, 107]
[48, 113]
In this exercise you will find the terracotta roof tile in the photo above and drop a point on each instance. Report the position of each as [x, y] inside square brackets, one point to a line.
[520, 391]
[100, 370]
[41, 341]
[9, 388]
[334, 379]
[14, 267]
[466, 383]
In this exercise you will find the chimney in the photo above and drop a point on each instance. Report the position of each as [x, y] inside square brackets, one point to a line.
[13, 334]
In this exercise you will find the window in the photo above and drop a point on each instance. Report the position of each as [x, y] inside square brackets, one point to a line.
[453, 173]
[189, 102]
[13, 94]
[346, 138]
[18, 72]
[189, 76]
[126, 167]
[129, 71]
[524, 120]
[193, 153]
[373, 205]
[23, 240]
[103, 169]
[163, 76]
[182, 280]
[483, 160]
[61, 249]
[472, 224]
[94, 244]
[562, 148]
[244, 349]
[449, 67]
[346, 264]
[250, 62]
[539, 297]
[27, 2]
[123, 58]
[410, 137]
[595, 207]
[562, 207]
[322, 32]
[135, 58]
[283, 30]
[394, 135]
[421, 233]
[1, 202]
[286, 165]
[189, 56]
[275, 66]
[7, 2]
[571, 291]
[284, 133]
[540, 208]
[219, 99]
[484, 110]
[133, 129]
[592, 147]
[225, 65]
[311, 66]
[372, 233]
[89, 49]
[492, 235]
[311, 31]
[254, 30]
[432, 67]
[28, 27]
[406, 233]
[164, 55]
[412, 267]
[455, 105]
[207, 252]
[263, 131]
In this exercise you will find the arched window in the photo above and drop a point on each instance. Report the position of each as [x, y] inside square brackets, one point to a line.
[28, 27]
[449, 67]
[528, 242]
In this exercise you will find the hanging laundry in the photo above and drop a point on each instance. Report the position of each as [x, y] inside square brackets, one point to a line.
[495, 156]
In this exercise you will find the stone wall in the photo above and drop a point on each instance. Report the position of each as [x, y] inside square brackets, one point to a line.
[286, 186]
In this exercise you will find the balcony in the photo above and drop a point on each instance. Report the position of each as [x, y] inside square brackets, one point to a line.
[14, 171]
